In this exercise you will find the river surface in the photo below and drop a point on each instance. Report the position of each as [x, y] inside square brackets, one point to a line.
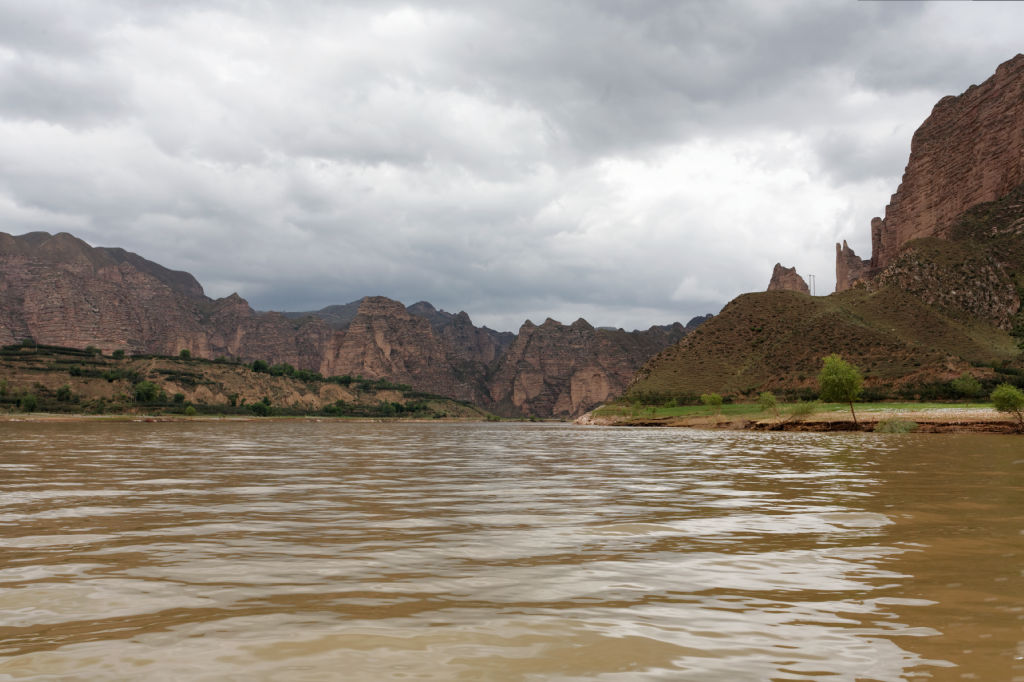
[402, 551]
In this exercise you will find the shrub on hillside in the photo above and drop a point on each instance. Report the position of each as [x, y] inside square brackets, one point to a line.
[966, 386]
[146, 391]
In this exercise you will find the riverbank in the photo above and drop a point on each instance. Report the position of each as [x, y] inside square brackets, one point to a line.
[44, 417]
[875, 418]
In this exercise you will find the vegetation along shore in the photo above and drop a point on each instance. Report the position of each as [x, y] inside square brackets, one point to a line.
[68, 382]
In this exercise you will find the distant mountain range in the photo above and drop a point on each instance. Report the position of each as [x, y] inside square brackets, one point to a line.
[58, 290]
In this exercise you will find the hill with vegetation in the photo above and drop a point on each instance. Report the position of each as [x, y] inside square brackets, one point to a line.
[941, 308]
[72, 381]
[940, 297]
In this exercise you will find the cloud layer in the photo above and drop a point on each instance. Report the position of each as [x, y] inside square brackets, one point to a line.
[632, 163]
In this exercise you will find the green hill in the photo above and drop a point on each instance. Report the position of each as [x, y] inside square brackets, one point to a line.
[945, 306]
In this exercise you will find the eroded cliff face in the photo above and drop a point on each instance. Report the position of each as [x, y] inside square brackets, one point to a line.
[787, 279]
[58, 290]
[565, 370]
[970, 150]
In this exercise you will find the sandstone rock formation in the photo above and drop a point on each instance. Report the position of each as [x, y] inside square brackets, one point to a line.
[58, 290]
[786, 279]
[565, 370]
[970, 150]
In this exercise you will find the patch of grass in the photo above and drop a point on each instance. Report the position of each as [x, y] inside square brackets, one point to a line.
[895, 426]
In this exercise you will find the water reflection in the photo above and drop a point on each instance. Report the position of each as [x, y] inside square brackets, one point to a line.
[388, 551]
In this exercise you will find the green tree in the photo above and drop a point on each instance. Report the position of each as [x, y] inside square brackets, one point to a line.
[1010, 399]
[712, 400]
[966, 386]
[767, 402]
[146, 391]
[190, 411]
[260, 366]
[118, 354]
[185, 354]
[28, 403]
[260, 409]
[64, 394]
[840, 382]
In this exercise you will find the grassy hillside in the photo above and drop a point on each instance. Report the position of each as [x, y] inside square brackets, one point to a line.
[945, 307]
[66, 380]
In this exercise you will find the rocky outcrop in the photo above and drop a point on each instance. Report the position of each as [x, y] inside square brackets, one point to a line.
[786, 279]
[850, 268]
[565, 370]
[970, 150]
[58, 290]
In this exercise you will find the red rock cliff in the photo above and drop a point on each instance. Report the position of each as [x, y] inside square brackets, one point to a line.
[970, 150]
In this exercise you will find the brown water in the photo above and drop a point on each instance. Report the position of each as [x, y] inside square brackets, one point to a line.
[317, 551]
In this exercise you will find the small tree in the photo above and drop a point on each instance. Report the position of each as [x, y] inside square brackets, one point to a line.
[1010, 399]
[767, 402]
[840, 382]
[118, 354]
[712, 400]
[260, 366]
[146, 391]
[28, 403]
[185, 354]
[966, 386]
[64, 394]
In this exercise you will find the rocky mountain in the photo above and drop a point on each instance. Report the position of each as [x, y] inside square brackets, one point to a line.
[567, 369]
[940, 296]
[969, 151]
[58, 290]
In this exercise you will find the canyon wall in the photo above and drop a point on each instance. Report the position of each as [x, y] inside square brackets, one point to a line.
[58, 290]
[970, 150]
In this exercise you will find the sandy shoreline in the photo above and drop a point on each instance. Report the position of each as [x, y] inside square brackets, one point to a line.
[944, 420]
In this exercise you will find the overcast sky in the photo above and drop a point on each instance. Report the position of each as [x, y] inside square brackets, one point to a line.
[633, 163]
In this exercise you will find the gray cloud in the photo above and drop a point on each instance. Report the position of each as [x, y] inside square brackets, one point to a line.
[633, 162]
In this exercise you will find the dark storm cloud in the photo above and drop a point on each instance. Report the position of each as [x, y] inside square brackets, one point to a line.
[622, 160]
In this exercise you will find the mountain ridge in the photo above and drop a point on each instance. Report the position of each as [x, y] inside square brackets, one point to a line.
[58, 290]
